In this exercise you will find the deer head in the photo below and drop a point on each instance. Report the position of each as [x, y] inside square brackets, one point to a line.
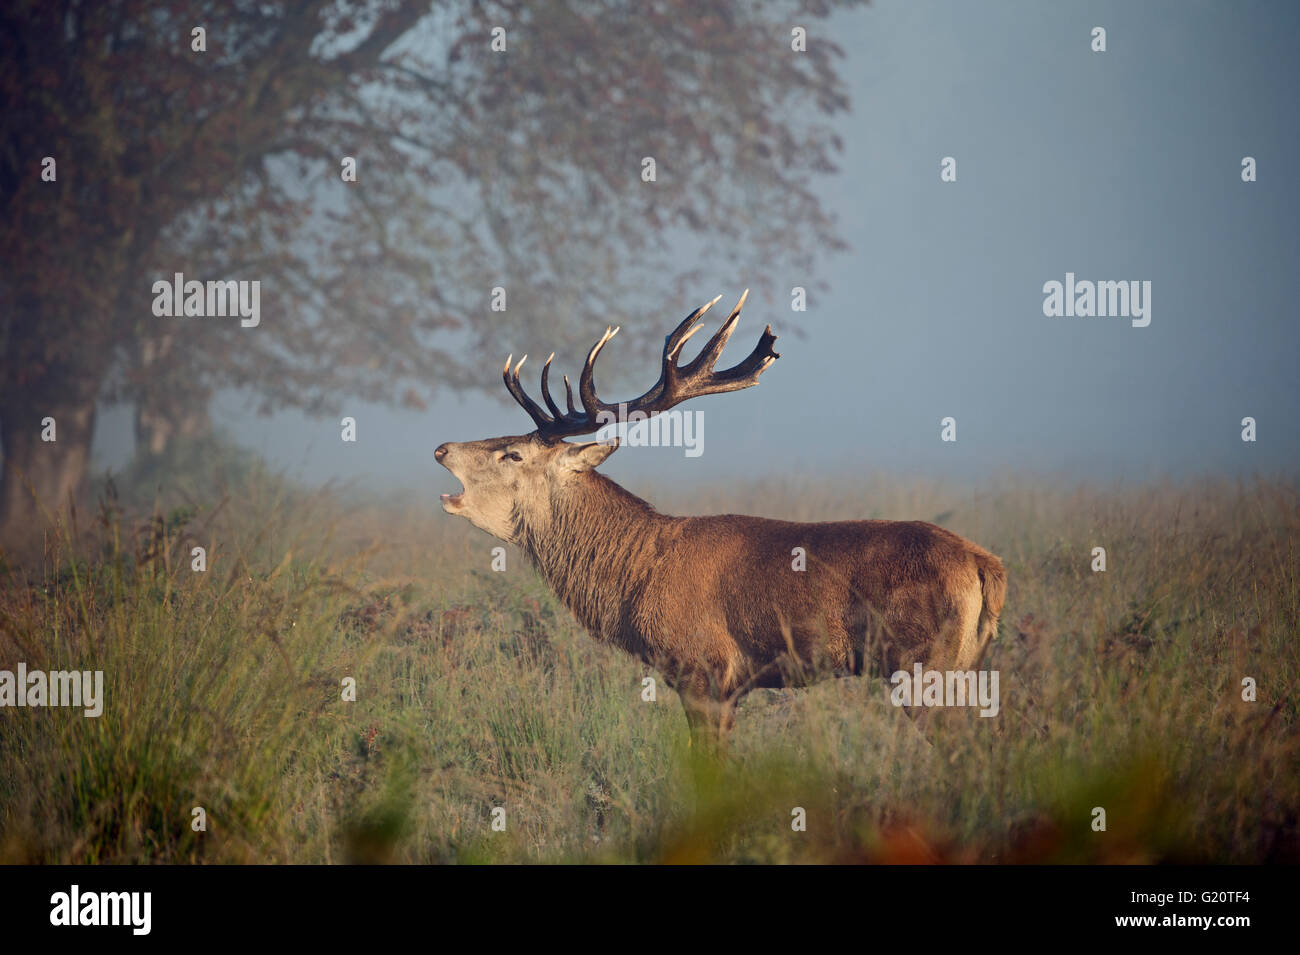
[513, 481]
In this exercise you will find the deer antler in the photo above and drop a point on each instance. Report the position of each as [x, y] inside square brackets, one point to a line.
[676, 383]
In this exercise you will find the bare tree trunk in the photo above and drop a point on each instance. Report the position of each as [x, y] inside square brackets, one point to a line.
[158, 423]
[53, 366]
[40, 479]
[173, 406]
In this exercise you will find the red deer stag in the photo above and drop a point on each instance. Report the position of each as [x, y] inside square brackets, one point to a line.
[714, 603]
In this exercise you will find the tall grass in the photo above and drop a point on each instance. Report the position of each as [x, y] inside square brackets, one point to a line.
[475, 690]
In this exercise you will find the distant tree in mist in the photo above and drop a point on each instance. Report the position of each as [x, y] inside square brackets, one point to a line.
[495, 144]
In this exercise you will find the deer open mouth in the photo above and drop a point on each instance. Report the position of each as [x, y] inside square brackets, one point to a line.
[452, 499]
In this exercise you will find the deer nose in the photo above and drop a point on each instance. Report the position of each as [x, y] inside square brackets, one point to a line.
[439, 453]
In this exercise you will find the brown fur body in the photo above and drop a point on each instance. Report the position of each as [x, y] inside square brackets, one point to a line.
[715, 602]
[720, 605]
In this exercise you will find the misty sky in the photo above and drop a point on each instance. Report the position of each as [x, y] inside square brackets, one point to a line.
[1114, 166]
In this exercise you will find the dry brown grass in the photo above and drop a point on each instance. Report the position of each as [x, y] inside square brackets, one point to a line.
[476, 690]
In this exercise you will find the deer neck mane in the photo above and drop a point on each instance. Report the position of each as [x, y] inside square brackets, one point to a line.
[595, 548]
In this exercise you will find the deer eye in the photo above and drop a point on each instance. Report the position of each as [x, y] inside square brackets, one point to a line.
[512, 456]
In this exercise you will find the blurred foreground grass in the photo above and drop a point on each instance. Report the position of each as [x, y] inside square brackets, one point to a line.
[476, 690]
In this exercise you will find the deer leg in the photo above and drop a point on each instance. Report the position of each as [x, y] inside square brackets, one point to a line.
[707, 720]
[710, 712]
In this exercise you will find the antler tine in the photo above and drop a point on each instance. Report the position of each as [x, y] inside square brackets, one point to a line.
[679, 335]
[709, 356]
[586, 390]
[517, 392]
[546, 390]
[568, 396]
[745, 373]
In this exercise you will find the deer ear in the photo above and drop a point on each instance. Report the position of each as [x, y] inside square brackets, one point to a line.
[584, 457]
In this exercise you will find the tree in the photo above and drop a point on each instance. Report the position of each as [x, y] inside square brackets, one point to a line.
[494, 144]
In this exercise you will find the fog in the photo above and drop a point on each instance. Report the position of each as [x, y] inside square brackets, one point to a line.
[1115, 166]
